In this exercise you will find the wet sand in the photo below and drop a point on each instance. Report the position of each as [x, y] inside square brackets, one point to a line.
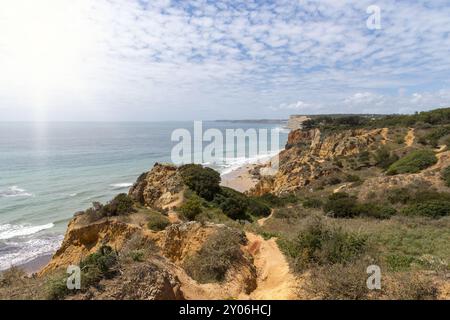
[36, 264]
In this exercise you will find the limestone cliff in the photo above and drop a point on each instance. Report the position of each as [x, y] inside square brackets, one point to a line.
[161, 188]
[309, 155]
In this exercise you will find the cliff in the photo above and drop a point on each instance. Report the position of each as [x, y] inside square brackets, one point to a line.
[309, 156]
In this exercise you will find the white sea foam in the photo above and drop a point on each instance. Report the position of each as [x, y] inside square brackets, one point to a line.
[14, 191]
[19, 253]
[232, 164]
[8, 231]
[122, 185]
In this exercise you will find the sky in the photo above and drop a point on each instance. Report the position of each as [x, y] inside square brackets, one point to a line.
[151, 60]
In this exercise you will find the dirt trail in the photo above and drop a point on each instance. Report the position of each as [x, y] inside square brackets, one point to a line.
[275, 280]
[263, 220]
[409, 138]
[384, 133]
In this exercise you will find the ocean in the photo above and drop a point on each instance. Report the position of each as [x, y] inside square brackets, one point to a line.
[49, 171]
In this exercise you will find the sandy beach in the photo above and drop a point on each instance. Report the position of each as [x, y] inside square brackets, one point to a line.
[240, 179]
[36, 264]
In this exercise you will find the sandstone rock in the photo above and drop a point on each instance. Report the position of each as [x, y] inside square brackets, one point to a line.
[160, 188]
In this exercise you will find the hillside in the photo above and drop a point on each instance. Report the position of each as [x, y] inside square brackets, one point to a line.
[350, 192]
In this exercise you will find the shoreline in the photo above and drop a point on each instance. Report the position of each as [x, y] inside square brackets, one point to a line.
[239, 179]
[35, 265]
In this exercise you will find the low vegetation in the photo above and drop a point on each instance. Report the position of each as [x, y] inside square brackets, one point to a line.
[413, 162]
[446, 176]
[157, 221]
[216, 256]
[97, 266]
[120, 205]
[321, 245]
[343, 205]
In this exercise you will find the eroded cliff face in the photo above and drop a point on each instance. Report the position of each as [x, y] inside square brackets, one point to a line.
[309, 156]
[160, 276]
[161, 188]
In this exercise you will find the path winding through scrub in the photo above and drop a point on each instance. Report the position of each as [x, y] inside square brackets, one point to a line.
[275, 280]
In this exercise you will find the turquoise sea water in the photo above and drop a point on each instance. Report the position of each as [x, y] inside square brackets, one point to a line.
[48, 171]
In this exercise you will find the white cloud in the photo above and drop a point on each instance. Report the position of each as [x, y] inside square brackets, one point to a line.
[141, 59]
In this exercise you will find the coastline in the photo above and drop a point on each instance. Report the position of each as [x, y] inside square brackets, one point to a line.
[240, 179]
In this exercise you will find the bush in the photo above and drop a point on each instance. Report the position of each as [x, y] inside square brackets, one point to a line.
[399, 195]
[312, 203]
[97, 266]
[340, 281]
[384, 158]
[191, 208]
[217, 255]
[121, 204]
[257, 208]
[411, 286]
[11, 276]
[204, 181]
[274, 201]
[56, 287]
[437, 133]
[446, 176]
[353, 178]
[372, 210]
[340, 205]
[323, 246]
[233, 203]
[413, 162]
[429, 208]
[157, 222]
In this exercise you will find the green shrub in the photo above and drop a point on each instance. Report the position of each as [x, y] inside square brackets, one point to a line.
[233, 203]
[97, 266]
[312, 203]
[191, 208]
[216, 256]
[137, 255]
[413, 162]
[353, 178]
[56, 287]
[257, 208]
[204, 181]
[272, 200]
[429, 208]
[433, 137]
[372, 210]
[321, 245]
[157, 222]
[384, 158]
[446, 176]
[340, 205]
[399, 195]
[398, 262]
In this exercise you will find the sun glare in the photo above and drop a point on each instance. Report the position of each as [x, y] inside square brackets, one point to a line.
[43, 45]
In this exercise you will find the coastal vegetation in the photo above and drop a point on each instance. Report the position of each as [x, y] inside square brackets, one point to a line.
[413, 162]
[340, 202]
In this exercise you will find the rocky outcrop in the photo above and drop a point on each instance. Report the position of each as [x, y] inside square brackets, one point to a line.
[424, 180]
[149, 280]
[83, 239]
[309, 156]
[160, 188]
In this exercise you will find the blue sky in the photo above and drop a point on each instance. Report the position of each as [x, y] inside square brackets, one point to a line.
[149, 60]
